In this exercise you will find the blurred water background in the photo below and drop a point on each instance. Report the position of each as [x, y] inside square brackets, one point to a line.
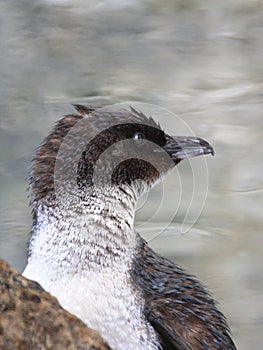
[200, 59]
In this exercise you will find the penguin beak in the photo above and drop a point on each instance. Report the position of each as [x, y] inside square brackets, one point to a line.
[181, 147]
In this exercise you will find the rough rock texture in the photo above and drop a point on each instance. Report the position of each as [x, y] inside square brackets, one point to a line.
[31, 318]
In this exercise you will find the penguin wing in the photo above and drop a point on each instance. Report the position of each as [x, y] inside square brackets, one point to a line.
[178, 306]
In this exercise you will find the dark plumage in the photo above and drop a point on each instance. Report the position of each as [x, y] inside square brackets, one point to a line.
[178, 306]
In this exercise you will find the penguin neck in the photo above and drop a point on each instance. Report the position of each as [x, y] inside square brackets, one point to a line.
[90, 234]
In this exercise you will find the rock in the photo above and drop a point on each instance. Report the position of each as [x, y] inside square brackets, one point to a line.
[30, 318]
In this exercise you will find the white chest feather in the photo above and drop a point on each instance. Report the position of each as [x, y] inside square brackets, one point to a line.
[84, 262]
[105, 301]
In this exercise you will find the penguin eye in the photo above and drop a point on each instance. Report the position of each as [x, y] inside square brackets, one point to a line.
[138, 136]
